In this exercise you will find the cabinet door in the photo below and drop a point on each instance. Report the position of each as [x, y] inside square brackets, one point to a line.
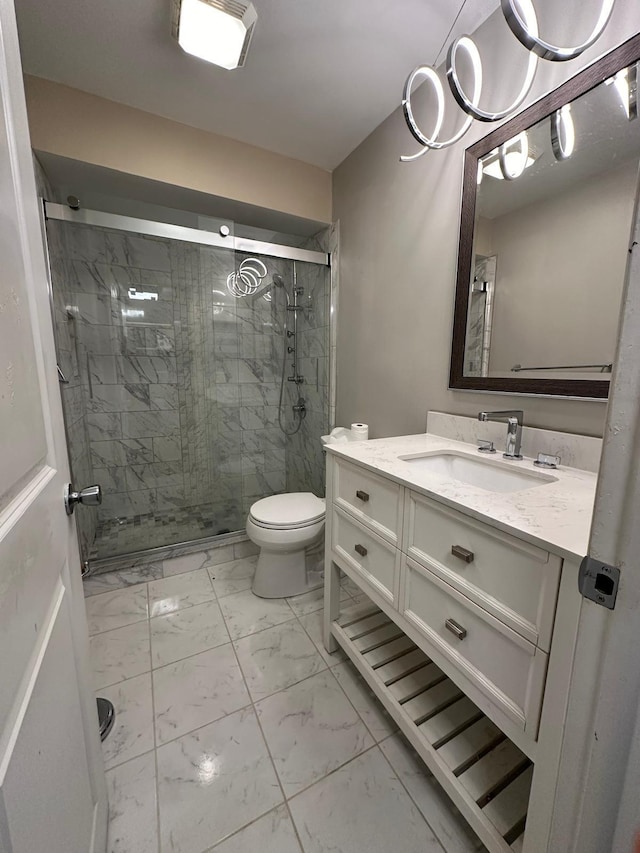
[374, 500]
[508, 669]
[515, 581]
[373, 560]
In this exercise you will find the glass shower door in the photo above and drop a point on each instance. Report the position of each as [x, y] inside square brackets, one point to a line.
[175, 381]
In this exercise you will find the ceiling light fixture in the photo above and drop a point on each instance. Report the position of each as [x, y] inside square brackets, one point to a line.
[218, 31]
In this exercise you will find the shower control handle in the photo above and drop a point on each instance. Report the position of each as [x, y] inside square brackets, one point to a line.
[90, 496]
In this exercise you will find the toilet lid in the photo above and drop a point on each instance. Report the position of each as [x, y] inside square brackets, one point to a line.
[295, 509]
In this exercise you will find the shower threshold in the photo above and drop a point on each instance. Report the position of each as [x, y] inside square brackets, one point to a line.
[124, 543]
[133, 559]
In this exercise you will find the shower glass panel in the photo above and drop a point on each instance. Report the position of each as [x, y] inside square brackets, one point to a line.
[173, 384]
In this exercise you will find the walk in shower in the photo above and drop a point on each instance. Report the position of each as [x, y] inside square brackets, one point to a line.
[171, 350]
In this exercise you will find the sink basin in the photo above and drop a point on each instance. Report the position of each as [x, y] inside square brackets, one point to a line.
[490, 475]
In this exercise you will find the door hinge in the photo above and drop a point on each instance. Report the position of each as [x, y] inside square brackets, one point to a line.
[599, 582]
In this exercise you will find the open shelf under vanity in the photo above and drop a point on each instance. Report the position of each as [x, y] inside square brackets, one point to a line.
[485, 774]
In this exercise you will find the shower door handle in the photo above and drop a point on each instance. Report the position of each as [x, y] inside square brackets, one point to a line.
[91, 496]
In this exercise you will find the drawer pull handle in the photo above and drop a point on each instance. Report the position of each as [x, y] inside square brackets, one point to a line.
[360, 549]
[462, 553]
[362, 495]
[457, 630]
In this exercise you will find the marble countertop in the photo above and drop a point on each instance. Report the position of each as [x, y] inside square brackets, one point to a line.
[556, 516]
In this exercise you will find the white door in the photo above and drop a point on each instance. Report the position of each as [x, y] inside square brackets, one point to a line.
[52, 788]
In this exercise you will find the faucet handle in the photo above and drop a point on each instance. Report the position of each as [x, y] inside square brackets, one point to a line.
[485, 446]
[547, 460]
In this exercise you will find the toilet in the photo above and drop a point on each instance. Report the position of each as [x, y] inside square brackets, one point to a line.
[287, 529]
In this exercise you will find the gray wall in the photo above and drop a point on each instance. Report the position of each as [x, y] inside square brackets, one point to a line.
[399, 236]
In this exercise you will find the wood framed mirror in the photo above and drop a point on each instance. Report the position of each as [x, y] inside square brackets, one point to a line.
[547, 209]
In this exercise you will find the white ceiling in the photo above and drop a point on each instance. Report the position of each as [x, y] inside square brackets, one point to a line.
[320, 76]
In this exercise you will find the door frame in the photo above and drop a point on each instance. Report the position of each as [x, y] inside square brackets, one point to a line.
[601, 743]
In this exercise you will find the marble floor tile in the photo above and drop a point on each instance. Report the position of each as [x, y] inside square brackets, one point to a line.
[132, 732]
[362, 806]
[311, 729]
[309, 602]
[105, 581]
[245, 613]
[272, 833]
[313, 625]
[198, 560]
[213, 782]
[133, 818]
[186, 633]
[196, 691]
[349, 586]
[374, 716]
[277, 658]
[451, 829]
[116, 609]
[120, 654]
[247, 548]
[179, 591]
[236, 576]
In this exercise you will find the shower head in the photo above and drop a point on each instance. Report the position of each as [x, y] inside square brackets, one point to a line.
[277, 280]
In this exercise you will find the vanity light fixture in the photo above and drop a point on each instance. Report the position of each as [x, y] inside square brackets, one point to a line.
[521, 18]
[626, 84]
[218, 31]
[510, 160]
[563, 133]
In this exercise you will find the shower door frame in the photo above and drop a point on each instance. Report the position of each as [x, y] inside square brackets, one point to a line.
[186, 234]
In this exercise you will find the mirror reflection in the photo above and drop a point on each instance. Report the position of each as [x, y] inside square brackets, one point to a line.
[553, 217]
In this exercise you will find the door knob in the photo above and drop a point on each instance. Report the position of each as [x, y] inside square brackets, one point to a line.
[91, 496]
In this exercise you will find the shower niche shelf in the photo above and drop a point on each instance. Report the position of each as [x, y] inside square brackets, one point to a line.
[486, 776]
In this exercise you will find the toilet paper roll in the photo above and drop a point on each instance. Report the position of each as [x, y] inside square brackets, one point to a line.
[360, 431]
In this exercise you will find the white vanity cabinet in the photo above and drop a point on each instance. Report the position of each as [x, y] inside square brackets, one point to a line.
[456, 637]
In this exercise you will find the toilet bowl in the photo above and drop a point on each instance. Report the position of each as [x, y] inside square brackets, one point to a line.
[286, 528]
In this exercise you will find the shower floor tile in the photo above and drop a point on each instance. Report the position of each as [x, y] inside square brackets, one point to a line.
[115, 536]
[261, 738]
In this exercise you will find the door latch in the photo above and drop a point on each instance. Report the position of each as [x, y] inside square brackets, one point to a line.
[599, 582]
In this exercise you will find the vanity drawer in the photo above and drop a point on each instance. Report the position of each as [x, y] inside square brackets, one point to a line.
[504, 666]
[374, 500]
[374, 560]
[511, 579]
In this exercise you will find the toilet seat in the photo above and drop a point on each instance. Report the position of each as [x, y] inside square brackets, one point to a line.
[288, 512]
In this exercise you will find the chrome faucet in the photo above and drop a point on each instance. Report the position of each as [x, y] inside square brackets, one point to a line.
[513, 418]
